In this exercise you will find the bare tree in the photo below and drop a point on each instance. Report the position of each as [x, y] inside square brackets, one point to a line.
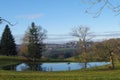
[84, 36]
[101, 4]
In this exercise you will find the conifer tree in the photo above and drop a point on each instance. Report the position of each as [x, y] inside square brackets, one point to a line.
[34, 39]
[8, 46]
[0, 48]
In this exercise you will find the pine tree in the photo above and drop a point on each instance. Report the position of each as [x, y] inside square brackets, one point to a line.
[34, 38]
[8, 46]
[0, 49]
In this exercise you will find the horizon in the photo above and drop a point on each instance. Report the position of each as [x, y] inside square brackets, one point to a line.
[58, 17]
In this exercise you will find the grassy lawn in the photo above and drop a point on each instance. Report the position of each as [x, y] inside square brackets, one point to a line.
[68, 75]
[98, 73]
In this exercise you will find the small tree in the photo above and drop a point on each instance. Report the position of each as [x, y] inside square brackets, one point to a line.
[34, 40]
[83, 34]
[111, 47]
[8, 46]
[107, 50]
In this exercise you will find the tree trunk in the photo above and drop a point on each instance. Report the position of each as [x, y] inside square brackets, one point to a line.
[85, 59]
[112, 61]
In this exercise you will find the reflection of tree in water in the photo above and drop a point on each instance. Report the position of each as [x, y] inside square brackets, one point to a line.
[35, 66]
[9, 67]
[68, 66]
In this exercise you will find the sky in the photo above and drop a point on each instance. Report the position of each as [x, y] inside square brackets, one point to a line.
[58, 17]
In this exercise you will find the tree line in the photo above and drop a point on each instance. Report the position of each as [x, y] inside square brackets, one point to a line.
[33, 46]
[33, 39]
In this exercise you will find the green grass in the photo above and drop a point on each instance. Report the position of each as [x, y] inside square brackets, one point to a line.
[68, 75]
[97, 73]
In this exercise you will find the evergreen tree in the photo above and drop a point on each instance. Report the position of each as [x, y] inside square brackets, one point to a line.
[34, 38]
[0, 49]
[8, 46]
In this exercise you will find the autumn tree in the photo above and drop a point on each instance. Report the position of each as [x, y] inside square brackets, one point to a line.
[23, 50]
[34, 40]
[98, 49]
[111, 47]
[84, 36]
[107, 50]
[7, 43]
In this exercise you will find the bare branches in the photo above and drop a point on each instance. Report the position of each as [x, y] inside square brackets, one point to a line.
[102, 4]
[1, 20]
[82, 32]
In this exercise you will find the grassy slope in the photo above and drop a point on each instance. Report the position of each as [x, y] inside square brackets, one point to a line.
[99, 73]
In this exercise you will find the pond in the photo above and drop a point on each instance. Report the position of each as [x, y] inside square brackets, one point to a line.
[62, 66]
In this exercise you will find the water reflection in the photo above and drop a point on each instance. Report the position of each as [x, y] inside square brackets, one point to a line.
[30, 66]
[22, 67]
[35, 67]
[57, 66]
[9, 67]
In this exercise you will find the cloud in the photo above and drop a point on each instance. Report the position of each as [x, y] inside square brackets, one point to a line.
[30, 16]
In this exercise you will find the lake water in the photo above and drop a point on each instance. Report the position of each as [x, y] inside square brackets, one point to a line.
[63, 66]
